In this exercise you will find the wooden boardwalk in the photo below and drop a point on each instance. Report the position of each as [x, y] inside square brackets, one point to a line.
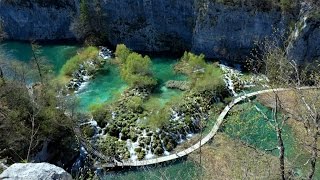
[203, 141]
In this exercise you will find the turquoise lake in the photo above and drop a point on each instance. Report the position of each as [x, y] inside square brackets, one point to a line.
[108, 84]
[104, 87]
[56, 54]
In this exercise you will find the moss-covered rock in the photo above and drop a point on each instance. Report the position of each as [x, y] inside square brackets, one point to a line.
[169, 146]
[158, 151]
[138, 149]
[88, 131]
[141, 155]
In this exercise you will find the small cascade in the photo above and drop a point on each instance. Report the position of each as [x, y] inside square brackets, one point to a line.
[79, 163]
[228, 74]
[132, 146]
[81, 77]
[150, 155]
[235, 80]
[175, 115]
[305, 10]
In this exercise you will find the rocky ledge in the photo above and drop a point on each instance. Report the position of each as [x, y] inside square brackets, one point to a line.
[181, 85]
[35, 171]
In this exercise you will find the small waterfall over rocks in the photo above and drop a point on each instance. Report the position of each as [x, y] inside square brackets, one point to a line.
[303, 43]
[305, 10]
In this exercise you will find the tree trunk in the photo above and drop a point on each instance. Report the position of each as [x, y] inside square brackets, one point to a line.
[278, 129]
[37, 63]
[35, 49]
[2, 76]
[314, 156]
[281, 153]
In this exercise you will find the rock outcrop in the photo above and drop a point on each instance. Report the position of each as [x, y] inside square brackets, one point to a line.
[304, 45]
[224, 30]
[35, 22]
[34, 171]
[181, 85]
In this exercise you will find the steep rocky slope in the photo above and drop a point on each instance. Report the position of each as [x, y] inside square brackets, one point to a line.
[218, 28]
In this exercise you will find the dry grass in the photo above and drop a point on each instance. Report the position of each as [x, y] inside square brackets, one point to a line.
[295, 108]
[291, 101]
[228, 159]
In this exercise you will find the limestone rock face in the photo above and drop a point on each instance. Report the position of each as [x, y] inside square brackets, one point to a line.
[34, 171]
[218, 30]
[229, 33]
[306, 44]
[35, 22]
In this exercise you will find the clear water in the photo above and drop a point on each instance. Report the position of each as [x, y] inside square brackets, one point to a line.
[254, 130]
[104, 87]
[163, 71]
[180, 170]
[56, 54]
[107, 85]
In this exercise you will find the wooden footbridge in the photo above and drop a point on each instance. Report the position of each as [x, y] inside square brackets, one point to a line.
[193, 148]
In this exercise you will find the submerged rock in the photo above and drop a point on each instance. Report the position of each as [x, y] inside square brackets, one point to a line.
[35, 171]
[181, 85]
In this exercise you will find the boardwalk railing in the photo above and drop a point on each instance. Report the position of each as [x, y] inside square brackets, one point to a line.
[203, 141]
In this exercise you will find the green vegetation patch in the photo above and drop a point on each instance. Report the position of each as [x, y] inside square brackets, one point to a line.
[135, 69]
[204, 76]
[247, 124]
[87, 54]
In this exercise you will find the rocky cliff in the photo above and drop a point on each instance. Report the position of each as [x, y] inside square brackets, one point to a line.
[31, 21]
[219, 30]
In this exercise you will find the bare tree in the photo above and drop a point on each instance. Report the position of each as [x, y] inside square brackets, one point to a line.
[285, 72]
[308, 102]
[35, 51]
[277, 122]
[34, 131]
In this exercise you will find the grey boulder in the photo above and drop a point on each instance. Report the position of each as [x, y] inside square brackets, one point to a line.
[35, 171]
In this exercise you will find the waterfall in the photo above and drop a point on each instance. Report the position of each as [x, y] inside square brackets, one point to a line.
[305, 10]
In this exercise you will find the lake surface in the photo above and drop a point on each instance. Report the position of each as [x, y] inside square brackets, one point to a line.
[55, 54]
[107, 85]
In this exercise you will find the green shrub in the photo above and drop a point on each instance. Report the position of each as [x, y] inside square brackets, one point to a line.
[210, 80]
[159, 119]
[73, 64]
[122, 52]
[136, 71]
[204, 77]
[191, 63]
[135, 103]
[101, 113]
[88, 131]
